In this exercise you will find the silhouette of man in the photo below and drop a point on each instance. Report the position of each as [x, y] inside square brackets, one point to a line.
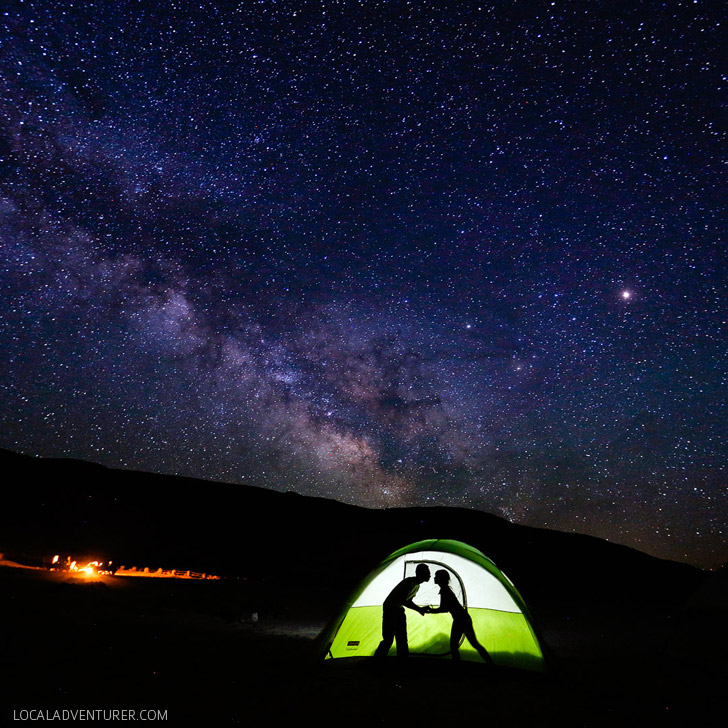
[394, 621]
[462, 622]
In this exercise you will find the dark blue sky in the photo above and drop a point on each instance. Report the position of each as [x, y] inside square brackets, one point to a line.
[394, 253]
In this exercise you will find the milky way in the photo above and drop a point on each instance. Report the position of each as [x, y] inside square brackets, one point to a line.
[395, 254]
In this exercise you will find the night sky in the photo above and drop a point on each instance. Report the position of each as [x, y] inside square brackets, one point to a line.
[390, 253]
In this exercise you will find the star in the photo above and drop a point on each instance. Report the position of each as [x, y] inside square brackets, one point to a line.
[225, 255]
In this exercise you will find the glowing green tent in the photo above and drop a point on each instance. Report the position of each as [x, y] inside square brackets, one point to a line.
[500, 617]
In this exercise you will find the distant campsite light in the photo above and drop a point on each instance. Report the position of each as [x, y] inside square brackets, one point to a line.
[97, 569]
[162, 573]
[91, 569]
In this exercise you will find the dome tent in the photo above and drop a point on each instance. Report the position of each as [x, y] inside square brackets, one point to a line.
[500, 617]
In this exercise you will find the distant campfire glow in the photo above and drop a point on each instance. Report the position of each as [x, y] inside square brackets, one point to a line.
[90, 570]
[96, 569]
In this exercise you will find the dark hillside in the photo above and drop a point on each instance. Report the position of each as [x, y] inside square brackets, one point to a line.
[56, 505]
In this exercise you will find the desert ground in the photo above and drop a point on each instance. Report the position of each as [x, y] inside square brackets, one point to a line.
[195, 650]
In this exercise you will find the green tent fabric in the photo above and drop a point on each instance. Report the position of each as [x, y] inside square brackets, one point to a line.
[500, 617]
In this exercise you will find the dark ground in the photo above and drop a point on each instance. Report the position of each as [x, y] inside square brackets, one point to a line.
[190, 648]
[633, 640]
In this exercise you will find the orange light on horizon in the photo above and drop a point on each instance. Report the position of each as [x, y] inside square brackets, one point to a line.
[98, 569]
[90, 570]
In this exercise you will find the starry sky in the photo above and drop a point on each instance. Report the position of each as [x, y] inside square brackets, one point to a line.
[392, 253]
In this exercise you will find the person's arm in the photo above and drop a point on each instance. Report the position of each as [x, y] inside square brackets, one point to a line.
[440, 609]
[409, 601]
[411, 605]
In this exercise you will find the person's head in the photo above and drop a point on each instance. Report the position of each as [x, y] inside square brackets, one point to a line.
[422, 573]
[442, 578]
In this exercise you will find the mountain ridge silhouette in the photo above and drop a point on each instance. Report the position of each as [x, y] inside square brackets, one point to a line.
[57, 505]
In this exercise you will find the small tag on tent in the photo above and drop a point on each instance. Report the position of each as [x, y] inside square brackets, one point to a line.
[352, 645]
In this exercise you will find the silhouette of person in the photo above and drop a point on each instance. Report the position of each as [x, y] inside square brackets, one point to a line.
[394, 621]
[462, 622]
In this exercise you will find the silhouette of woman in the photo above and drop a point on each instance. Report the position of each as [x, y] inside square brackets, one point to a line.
[462, 622]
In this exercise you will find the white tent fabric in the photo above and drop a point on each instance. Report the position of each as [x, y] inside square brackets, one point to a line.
[483, 590]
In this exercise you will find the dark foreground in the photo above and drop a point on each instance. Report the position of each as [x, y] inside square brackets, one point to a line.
[193, 650]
